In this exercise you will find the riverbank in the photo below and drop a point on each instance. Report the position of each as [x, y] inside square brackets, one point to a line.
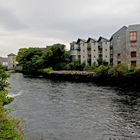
[85, 76]
[9, 127]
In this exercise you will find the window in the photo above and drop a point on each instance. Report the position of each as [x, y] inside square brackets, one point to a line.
[72, 47]
[83, 50]
[83, 56]
[88, 48]
[105, 49]
[100, 55]
[78, 48]
[119, 62]
[118, 37]
[133, 63]
[133, 54]
[133, 44]
[106, 56]
[94, 56]
[118, 55]
[94, 50]
[79, 57]
[133, 36]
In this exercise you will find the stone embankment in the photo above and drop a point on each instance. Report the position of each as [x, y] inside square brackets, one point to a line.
[85, 76]
[71, 75]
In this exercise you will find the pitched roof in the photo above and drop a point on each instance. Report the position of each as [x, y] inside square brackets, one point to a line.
[91, 39]
[122, 28]
[11, 54]
[102, 38]
[79, 39]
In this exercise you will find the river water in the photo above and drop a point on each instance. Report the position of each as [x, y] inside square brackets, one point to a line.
[62, 110]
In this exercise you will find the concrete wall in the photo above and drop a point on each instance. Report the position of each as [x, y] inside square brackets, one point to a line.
[119, 46]
[83, 52]
[106, 51]
[128, 45]
[74, 51]
[94, 52]
[11, 62]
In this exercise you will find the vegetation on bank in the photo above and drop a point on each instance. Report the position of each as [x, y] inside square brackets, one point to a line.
[55, 57]
[9, 128]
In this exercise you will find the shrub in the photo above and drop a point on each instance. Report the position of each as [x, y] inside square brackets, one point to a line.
[102, 70]
[121, 70]
[88, 68]
[8, 126]
[60, 66]
[47, 70]
[75, 66]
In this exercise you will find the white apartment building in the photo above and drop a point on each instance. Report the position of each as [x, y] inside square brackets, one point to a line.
[90, 51]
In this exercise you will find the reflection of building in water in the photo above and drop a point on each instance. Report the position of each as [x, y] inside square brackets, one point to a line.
[11, 61]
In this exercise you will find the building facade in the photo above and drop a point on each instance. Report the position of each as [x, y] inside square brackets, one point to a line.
[122, 48]
[126, 46]
[91, 51]
[11, 61]
[4, 61]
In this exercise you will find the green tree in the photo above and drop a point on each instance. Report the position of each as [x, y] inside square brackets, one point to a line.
[55, 56]
[8, 126]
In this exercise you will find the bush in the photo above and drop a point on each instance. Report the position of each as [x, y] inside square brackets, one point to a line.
[88, 68]
[60, 66]
[121, 70]
[102, 70]
[75, 66]
[8, 127]
[47, 70]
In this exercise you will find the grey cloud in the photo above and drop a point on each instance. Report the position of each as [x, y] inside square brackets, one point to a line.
[9, 21]
[65, 20]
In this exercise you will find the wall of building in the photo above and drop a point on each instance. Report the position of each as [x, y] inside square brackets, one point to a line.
[133, 28]
[119, 46]
[106, 51]
[118, 49]
[83, 52]
[11, 62]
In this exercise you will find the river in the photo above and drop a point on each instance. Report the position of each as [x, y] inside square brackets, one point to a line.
[62, 110]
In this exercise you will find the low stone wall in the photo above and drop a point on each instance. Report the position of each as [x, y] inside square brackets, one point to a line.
[71, 75]
[82, 76]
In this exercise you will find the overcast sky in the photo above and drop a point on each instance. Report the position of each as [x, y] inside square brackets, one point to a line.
[37, 23]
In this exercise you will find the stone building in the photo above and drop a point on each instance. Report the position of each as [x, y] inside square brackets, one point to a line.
[126, 46]
[11, 61]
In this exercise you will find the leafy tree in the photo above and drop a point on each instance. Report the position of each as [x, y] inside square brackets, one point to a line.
[22, 55]
[8, 126]
[55, 55]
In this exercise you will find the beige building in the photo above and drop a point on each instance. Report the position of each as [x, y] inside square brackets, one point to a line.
[91, 50]
[11, 61]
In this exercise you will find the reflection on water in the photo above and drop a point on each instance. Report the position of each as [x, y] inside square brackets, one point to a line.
[54, 110]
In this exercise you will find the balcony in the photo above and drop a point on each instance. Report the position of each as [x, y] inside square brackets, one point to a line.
[74, 52]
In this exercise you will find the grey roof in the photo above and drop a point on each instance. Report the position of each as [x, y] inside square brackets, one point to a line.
[91, 39]
[122, 28]
[102, 38]
[11, 54]
[79, 39]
